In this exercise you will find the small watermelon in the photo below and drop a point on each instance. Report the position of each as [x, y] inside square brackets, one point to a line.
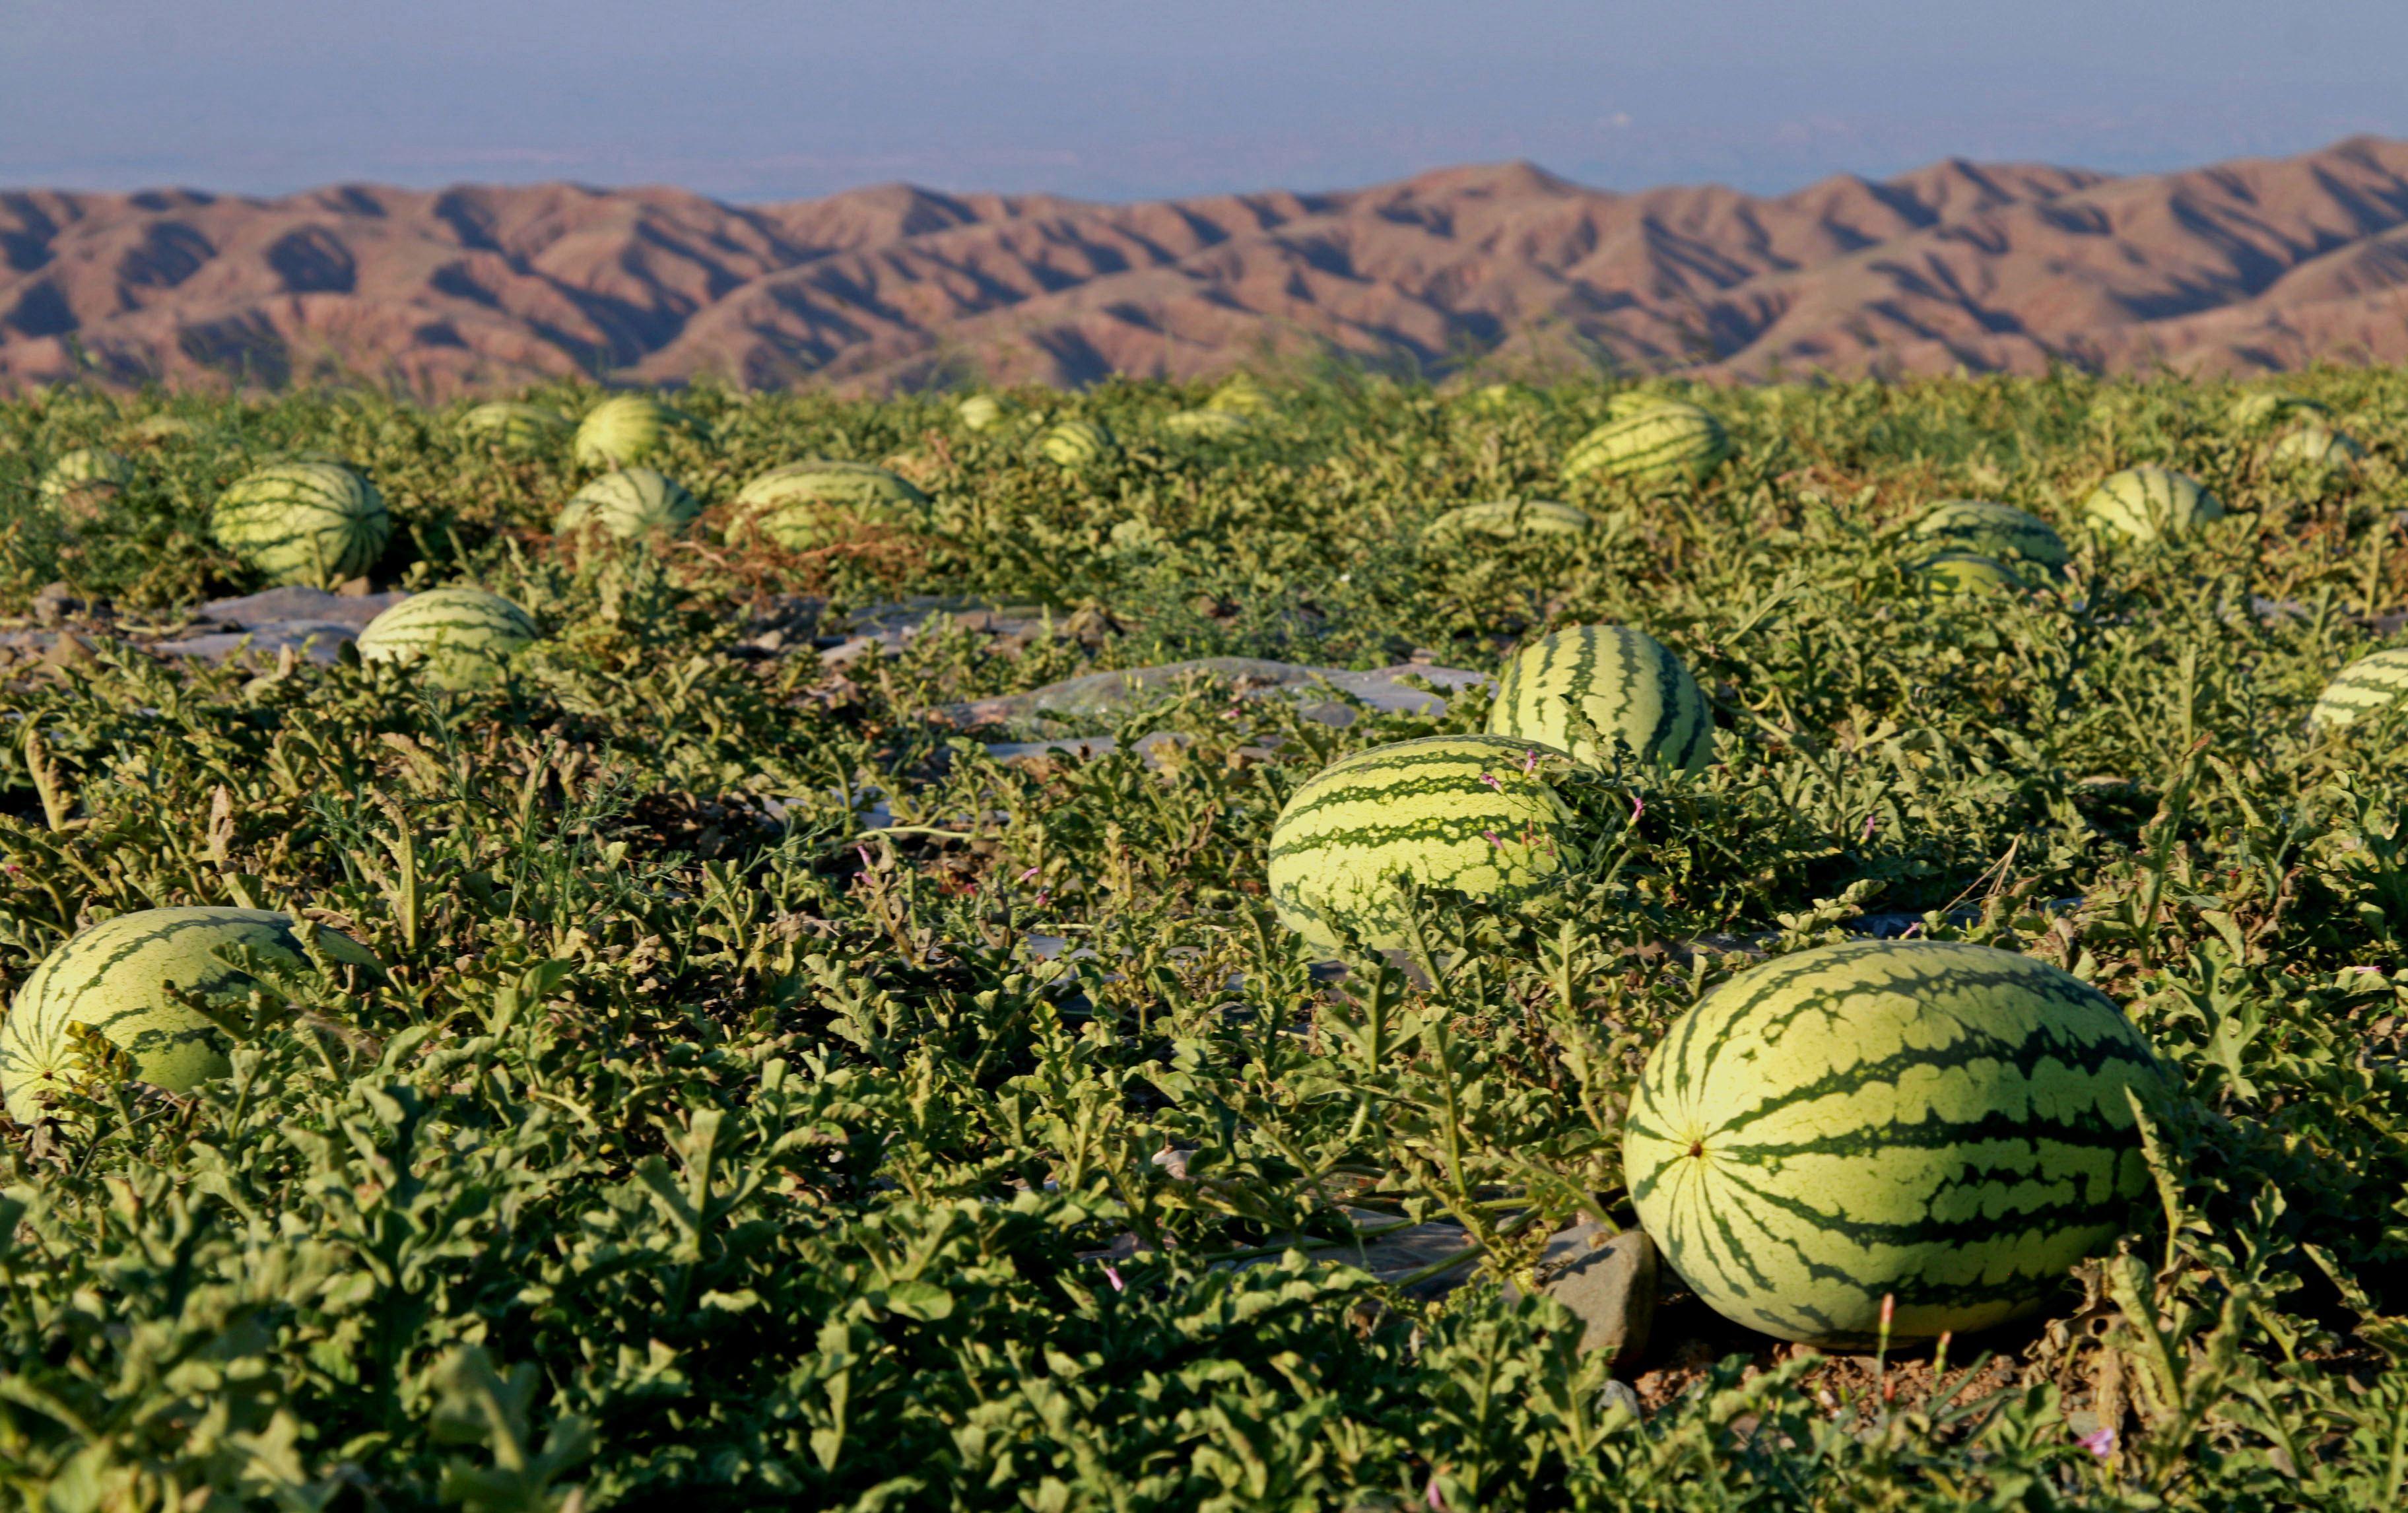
[84, 479]
[1243, 394]
[1635, 695]
[1993, 530]
[807, 504]
[1667, 444]
[112, 978]
[2149, 504]
[457, 638]
[628, 502]
[159, 430]
[1942, 1124]
[1206, 424]
[1495, 399]
[1078, 443]
[2315, 446]
[518, 428]
[313, 523]
[2252, 411]
[979, 411]
[1468, 812]
[1967, 572]
[2372, 682]
[624, 430]
[1509, 518]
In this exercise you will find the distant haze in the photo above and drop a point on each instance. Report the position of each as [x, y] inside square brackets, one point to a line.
[767, 99]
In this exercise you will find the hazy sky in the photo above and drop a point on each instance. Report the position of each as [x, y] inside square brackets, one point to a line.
[750, 99]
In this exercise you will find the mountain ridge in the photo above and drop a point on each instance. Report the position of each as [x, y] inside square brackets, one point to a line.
[2248, 265]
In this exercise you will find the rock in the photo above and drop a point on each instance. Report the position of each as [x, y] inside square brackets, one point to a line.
[1608, 1280]
[321, 640]
[1101, 697]
[54, 603]
[1619, 1395]
[309, 606]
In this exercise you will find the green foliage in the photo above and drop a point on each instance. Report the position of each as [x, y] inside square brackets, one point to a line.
[761, 1104]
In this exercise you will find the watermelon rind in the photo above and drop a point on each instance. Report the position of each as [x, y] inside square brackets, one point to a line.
[2372, 682]
[514, 426]
[627, 503]
[1206, 424]
[1950, 573]
[2252, 411]
[1577, 687]
[1243, 394]
[806, 504]
[2150, 504]
[1993, 530]
[979, 411]
[1945, 1125]
[311, 522]
[111, 977]
[456, 638]
[1078, 443]
[1468, 812]
[1510, 518]
[2315, 446]
[624, 430]
[1666, 443]
[84, 477]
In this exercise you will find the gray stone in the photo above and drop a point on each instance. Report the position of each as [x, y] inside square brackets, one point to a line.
[295, 605]
[321, 640]
[1099, 699]
[1608, 1281]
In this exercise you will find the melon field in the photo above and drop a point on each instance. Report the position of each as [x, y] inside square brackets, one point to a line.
[1024, 971]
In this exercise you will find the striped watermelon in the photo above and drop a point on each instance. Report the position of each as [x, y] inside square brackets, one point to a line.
[156, 430]
[314, 523]
[85, 478]
[2149, 504]
[111, 977]
[2372, 682]
[520, 428]
[1206, 425]
[624, 430]
[457, 636]
[1994, 531]
[1077, 443]
[1940, 1123]
[1468, 812]
[628, 502]
[1629, 402]
[1967, 572]
[979, 411]
[1243, 394]
[2253, 410]
[1633, 693]
[2312, 446]
[1666, 443]
[1511, 517]
[805, 504]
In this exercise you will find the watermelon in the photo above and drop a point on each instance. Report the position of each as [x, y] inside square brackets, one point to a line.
[979, 411]
[1495, 399]
[1634, 694]
[1076, 443]
[155, 430]
[2372, 683]
[1967, 572]
[1993, 530]
[2253, 410]
[1942, 1124]
[807, 504]
[309, 522]
[457, 636]
[111, 977]
[2149, 504]
[520, 428]
[624, 430]
[1468, 812]
[1629, 402]
[1243, 394]
[628, 502]
[1669, 443]
[2312, 445]
[85, 478]
[1511, 517]
[1206, 425]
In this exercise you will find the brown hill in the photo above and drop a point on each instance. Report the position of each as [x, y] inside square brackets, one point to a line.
[2253, 265]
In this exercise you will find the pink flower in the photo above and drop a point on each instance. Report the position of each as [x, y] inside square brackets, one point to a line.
[1493, 840]
[1529, 763]
[1638, 807]
[1042, 898]
[863, 852]
[1490, 778]
[1431, 1496]
[2101, 1442]
[1026, 875]
[1112, 1274]
[1871, 820]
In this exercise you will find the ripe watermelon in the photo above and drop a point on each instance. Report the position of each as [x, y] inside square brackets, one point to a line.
[1077, 443]
[1206, 425]
[624, 430]
[2372, 683]
[1468, 812]
[85, 478]
[628, 502]
[2253, 410]
[979, 411]
[1944, 1124]
[1993, 530]
[1635, 693]
[518, 428]
[1669, 443]
[157, 430]
[313, 523]
[1243, 394]
[1511, 517]
[2312, 446]
[457, 636]
[111, 977]
[806, 504]
[2149, 504]
[1967, 572]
